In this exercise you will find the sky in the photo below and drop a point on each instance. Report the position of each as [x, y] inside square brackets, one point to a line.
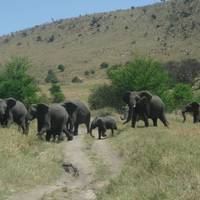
[17, 15]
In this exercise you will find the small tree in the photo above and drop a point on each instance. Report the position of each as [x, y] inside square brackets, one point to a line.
[104, 65]
[51, 77]
[61, 67]
[15, 81]
[56, 93]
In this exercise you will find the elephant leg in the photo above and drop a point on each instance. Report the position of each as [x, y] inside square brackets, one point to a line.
[134, 120]
[60, 136]
[68, 135]
[146, 121]
[112, 131]
[154, 121]
[99, 132]
[48, 136]
[76, 129]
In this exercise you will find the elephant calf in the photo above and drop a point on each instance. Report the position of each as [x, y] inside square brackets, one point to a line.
[103, 123]
[194, 109]
[51, 120]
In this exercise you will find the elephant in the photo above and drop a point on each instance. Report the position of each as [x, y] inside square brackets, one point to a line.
[12, 110]
[79, 114]
[194, 109]
[51, 120]
[144, 105]
[103, 123]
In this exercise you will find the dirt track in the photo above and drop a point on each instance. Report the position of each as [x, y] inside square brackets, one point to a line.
[85, 184]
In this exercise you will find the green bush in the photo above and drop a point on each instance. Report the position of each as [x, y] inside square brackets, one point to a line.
[104, 65]
[51, 77]
[141, 74]
[76, 79]
[61, 67]
[15, 81]
[56, 93]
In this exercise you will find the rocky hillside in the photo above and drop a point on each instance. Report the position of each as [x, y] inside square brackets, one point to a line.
[166, 31]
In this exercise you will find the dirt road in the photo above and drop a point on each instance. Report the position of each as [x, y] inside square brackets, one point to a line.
[84, 185]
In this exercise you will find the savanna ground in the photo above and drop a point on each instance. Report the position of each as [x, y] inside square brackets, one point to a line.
[142, 163]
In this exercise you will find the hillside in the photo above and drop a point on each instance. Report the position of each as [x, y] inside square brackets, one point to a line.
[166, 31]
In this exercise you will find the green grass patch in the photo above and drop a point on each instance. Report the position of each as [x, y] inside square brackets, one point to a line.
[160, 163]
[26, 161]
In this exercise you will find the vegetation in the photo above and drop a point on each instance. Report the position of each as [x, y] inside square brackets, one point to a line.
[51, 77]
[15, 81]
[61, 67]
[26, 158]
[56, 93]
[76, 79]
[104, 65]
[159, 163]
[141, 74]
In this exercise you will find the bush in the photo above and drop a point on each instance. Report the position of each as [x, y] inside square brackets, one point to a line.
[15, 81]
[76, 79]
[92, 71]
[51, 77]
[61, 67]
[104, 65]
[142, 74]
[87, 73]
[56, 93]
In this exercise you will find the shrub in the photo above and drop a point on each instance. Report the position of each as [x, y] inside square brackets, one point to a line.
[142, 74]
[56, 93]
[76, 79]
[87, 73]
[51, 77]
[104, 65]
[51, 39]
[15, 81]
[61, 67]
[92, 71]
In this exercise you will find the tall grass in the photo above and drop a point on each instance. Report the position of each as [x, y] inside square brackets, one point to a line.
[160, 163]
[26, 161]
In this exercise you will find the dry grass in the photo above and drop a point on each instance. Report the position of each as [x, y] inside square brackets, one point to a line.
[26, 161]
[160, 164]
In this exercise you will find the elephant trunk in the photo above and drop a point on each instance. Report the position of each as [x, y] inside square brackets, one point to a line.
[184, 116]
[130, 113]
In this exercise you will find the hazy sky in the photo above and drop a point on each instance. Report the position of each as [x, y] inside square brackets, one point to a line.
[20, 14]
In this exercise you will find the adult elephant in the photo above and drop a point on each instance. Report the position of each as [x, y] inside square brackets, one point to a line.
[51, 120]
[12, 110]
[144, 105]
[194, 109]
[79, 114]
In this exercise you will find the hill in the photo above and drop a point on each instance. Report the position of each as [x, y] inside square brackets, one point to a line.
[165, 31]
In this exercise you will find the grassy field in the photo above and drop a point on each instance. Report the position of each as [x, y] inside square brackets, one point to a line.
[161, 163]
[26, 161]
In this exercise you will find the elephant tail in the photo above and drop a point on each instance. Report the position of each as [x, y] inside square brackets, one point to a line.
[91, 132]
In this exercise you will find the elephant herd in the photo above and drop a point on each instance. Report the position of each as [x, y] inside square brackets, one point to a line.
[56, 119]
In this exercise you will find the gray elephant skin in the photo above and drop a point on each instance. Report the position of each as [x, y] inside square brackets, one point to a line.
[51, 120]
[143, 105]
[12, 110]
[103, 123]
[194, 109]
[79, 114]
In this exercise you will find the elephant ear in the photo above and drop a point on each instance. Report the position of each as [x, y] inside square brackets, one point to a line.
[11, 102]
[195, 105]
[126, 97]
[69, 106]
[145, 94]
[42, 108]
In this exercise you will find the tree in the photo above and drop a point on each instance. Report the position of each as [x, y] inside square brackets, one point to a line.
[57, 94]
[15, 81]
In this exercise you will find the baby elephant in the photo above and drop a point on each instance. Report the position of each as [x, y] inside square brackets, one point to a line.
[103, 123]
